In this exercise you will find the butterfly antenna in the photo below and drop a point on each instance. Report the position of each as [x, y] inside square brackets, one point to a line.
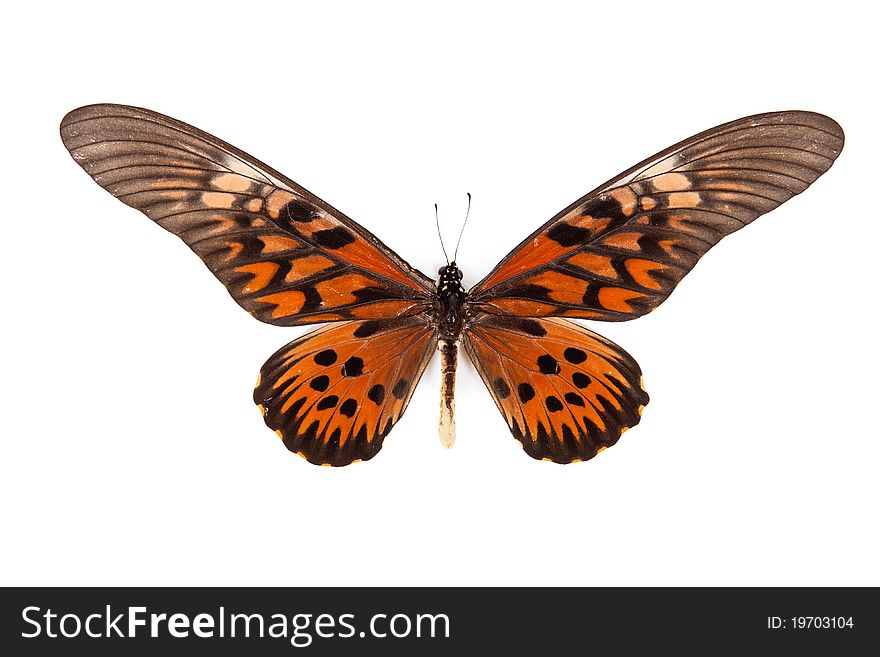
[437, 219]
[461, 232]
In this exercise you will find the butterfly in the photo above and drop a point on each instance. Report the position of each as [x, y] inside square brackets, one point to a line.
[289, 258]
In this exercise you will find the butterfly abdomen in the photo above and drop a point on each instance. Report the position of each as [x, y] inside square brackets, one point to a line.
[448, 363]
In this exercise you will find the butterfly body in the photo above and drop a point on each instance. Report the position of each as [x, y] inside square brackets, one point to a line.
[452, 313]
[289, 258]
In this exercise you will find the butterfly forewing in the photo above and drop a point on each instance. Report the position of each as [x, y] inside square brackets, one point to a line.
[618, 252]
[565, 392]
[284, 255]
[334, 394]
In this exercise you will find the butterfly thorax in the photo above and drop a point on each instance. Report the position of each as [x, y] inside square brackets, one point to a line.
[451, 303]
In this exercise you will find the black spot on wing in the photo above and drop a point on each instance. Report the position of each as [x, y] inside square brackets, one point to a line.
[501, 388]
[367, 329]
[320, 383]
[580, 379]
[547, 364]
[354, 366]
[574, 399]
[349, 407]
[298, 211]
[553, 404]
[528, 291]
[373, 294]
[327, 402]
[400, 388]
[650, 248]
[377, 394]
[532, 327]
[526, 392]
[334, 238]
[567, 235]
[575, 355]
[326, 357]
[607, 208]
[525, 325]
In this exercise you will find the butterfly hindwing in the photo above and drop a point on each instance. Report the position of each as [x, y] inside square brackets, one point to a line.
[565, 392]
[618, 252]
[283, 254]
[335, 393]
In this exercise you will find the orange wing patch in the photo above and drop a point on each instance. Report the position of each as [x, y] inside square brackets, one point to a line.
[284, 304]
[334, 394]
[600, 265]
[617, 298]
[262, 273]
[562, 288]
[640, 270]
[342, 290]
[304, 268]
[520, 307]
[565, 392]
[626, 241]
[278, 244]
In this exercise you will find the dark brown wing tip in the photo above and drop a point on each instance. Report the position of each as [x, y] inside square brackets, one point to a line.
[96, 110]
[814, 119]
[68, 128]
[824, 129]
[818, 121]
[104, 110]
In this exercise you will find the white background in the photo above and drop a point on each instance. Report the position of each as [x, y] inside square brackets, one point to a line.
[131, 451]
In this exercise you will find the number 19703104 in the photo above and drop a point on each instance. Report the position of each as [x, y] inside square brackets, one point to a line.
[810, 622]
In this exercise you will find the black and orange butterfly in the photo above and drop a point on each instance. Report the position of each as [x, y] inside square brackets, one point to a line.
[289, 258]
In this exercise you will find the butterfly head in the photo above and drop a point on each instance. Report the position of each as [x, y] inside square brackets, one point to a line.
[450, 279]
